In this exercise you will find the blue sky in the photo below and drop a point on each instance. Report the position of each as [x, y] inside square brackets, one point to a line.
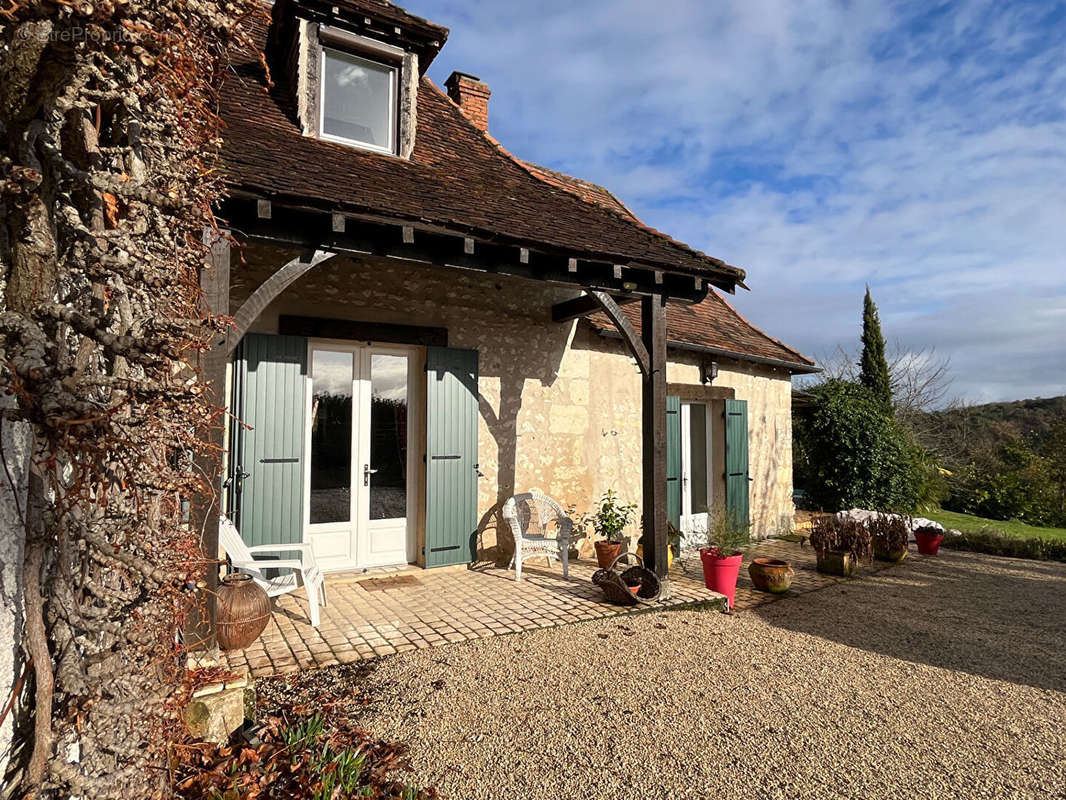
[919, 147]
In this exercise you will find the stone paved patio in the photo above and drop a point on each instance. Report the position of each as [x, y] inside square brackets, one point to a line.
[807, 578]
[397, 610]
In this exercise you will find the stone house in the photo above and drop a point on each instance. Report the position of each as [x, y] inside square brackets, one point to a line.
[424, 324]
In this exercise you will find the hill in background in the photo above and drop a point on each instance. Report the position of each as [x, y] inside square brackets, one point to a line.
[967, 432]
[1007, 461]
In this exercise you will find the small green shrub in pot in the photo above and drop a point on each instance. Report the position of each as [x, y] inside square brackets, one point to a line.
[726, 535]
[840, 544]
[611, 518]
[891, 535]
[609, 523]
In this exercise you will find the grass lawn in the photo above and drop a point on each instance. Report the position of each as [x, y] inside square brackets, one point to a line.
[1019, 530]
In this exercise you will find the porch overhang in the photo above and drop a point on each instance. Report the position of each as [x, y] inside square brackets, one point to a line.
[795, 367]
[607, 280]
[344, 232]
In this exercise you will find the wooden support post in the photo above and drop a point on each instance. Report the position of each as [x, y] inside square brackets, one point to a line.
[653, 449]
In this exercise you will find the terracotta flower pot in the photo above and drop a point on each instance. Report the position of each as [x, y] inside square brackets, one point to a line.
[836, 562]
[242, 611]
[928, 543]
[606, 552]
[720, 573]
[771, 575]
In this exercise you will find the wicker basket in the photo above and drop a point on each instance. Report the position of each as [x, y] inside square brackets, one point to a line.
[615, 585]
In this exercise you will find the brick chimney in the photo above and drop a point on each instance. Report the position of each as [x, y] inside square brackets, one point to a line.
[472, 96]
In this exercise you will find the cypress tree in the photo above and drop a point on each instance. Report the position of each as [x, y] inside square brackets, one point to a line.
[874, 375]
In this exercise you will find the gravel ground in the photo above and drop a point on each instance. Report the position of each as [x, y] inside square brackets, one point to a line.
[940, 678]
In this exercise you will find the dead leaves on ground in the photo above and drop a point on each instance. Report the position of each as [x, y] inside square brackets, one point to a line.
[268, 763]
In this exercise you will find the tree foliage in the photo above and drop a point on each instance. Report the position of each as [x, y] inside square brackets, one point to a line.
[108, 174]
[850, 452]
[1007, 460]
[1017, 483]
[874, 374]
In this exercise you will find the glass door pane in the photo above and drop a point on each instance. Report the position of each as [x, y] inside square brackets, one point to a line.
[697, 458]
[331, 436]
[388, 436]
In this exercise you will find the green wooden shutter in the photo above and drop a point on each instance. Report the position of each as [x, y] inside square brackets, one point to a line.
[270, 395]
[451, 456]
[673, 460]
[736, 461]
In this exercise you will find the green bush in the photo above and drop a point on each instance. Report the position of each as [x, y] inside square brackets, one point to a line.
[852, 453]
[1017, 484]
[998, 544]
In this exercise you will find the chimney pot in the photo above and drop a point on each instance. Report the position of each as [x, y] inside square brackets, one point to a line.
[472, 96]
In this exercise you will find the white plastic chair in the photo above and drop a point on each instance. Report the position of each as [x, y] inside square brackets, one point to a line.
[529, 515]
[304, 572]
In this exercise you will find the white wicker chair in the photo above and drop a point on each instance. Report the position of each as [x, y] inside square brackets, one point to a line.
[529, 516]
[304, 572]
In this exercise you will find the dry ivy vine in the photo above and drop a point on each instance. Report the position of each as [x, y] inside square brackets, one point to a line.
[108, 175]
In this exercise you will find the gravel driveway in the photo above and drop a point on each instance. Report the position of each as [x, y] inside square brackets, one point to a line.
[941, 678]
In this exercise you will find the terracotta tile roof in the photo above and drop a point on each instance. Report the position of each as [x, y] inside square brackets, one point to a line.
[715, 324]
[462, 178]
[586, 190]
[458, 177]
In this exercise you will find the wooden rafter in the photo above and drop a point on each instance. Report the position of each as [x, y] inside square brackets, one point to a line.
[629, 334]
[267, 292]
[582, 306]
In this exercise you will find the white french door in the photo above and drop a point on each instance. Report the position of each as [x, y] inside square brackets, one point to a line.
[359, 502]
[696, 499]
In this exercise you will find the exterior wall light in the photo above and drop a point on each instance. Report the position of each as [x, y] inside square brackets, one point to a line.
[708, 371]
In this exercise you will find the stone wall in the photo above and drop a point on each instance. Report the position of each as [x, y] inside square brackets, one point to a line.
[560, 405]
[16, 443]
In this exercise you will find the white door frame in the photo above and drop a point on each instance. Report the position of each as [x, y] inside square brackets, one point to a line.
[694, 522]
[356, 544]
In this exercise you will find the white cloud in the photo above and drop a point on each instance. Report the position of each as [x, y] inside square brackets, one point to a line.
[920, 147]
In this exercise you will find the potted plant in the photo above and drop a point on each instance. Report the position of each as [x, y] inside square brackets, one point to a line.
[840, 544]
[771, 575]
[928, 539]
[721, 558]
[609, 523]
[673, 549]
[891, 535]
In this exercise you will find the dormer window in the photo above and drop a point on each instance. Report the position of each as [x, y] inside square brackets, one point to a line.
[359, 91]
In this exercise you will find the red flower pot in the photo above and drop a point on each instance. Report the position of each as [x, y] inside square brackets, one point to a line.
[928, 543]
[720, 574]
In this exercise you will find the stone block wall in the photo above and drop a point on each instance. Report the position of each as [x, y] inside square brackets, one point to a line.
[560, 405]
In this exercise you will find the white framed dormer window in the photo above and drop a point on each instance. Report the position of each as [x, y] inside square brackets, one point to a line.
[358, 92]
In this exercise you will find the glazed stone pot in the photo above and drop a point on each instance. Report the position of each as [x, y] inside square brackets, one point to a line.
[771, 575]
[242, 611]
[895, 556]
[836, 562]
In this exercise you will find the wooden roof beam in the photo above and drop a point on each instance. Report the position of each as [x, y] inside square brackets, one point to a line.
[314, 229]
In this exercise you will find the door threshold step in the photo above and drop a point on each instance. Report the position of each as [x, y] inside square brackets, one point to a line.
[369, 573]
